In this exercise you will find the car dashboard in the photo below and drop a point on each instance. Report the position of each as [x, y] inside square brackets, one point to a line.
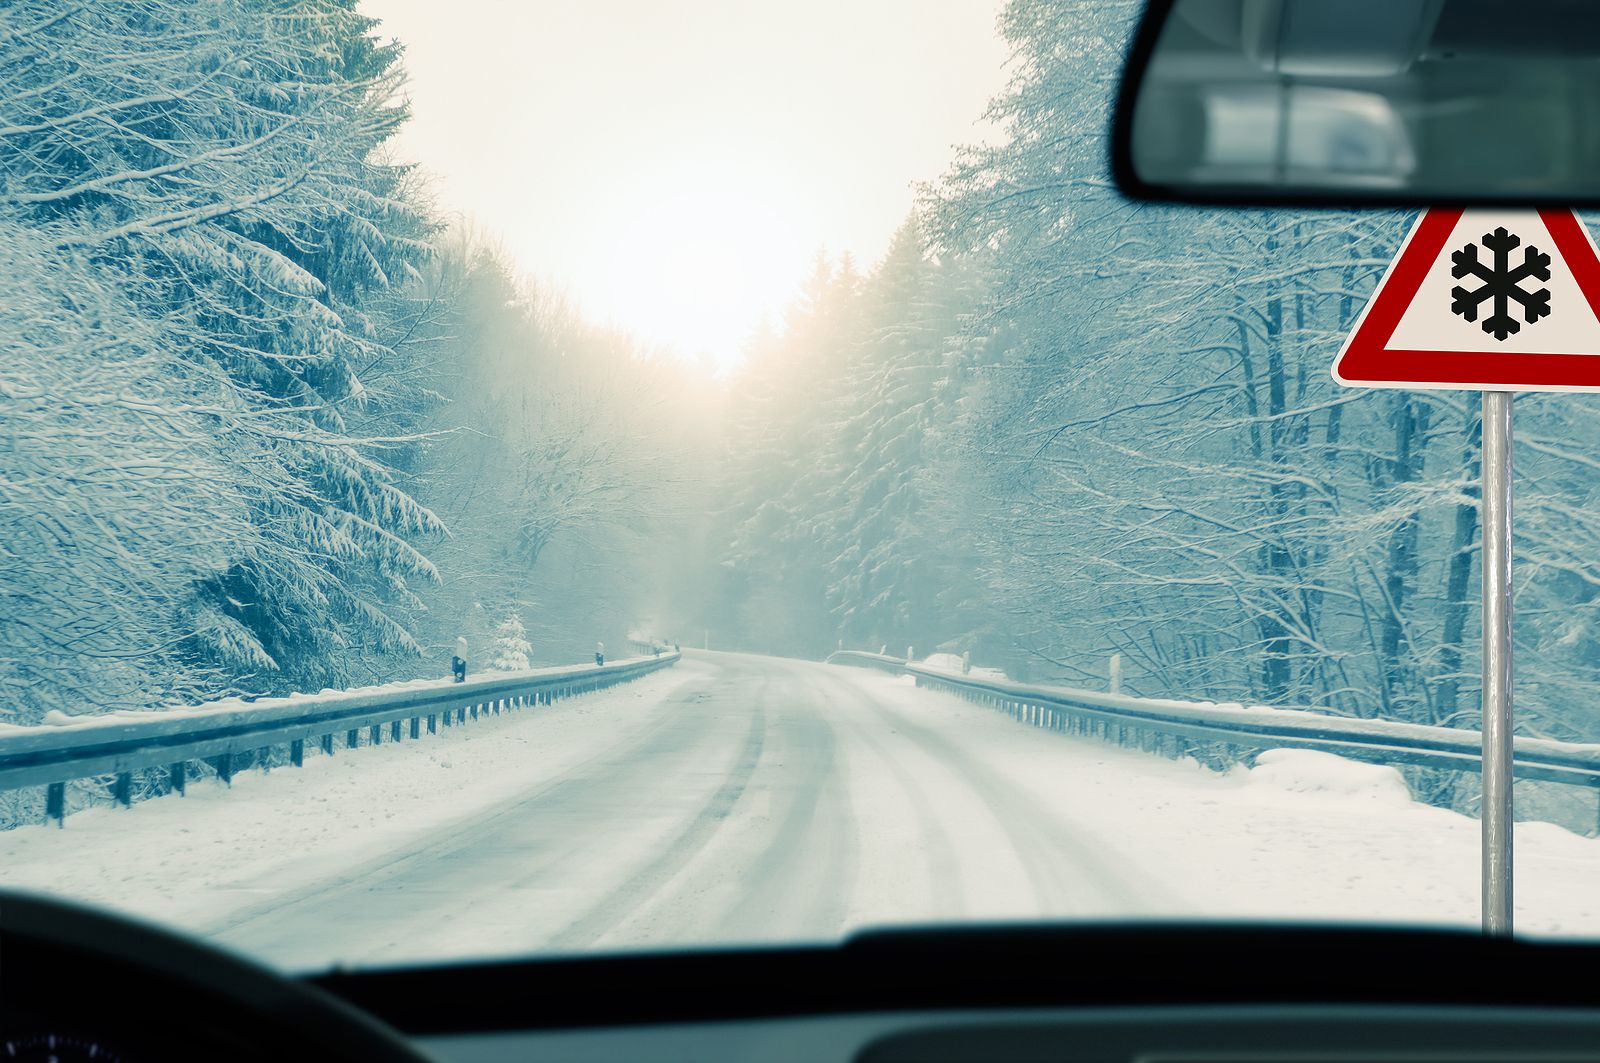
[1272, 1034]
[81, 985]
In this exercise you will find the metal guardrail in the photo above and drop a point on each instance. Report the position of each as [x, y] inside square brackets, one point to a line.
[121, 744]
[1160, 725]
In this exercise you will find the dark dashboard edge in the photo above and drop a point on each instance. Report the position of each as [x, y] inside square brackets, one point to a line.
[1006, 966]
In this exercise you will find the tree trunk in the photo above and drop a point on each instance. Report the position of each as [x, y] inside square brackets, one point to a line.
[1401, 693]
[1458, 576]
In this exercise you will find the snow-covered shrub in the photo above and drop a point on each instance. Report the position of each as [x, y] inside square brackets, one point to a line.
[511, 647]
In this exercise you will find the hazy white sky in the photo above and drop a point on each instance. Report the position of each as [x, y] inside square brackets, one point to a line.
[675, 165]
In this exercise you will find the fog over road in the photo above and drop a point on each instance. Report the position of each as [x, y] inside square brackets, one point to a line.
[763, 799]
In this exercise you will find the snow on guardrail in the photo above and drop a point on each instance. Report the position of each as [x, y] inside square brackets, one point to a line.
[1159, 721]
[120, 744]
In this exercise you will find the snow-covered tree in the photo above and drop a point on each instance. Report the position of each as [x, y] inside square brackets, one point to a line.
[116, 496]
[511, 647]
[222, 162]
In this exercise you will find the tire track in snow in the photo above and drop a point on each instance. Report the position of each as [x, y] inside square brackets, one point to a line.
[648, 880]
[946, 891]
[1061, 867]
[794, 889]
[452, 839]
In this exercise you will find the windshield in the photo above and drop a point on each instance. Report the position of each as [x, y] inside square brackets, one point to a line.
[485, 479]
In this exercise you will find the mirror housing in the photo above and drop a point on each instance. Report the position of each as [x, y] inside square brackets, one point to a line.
[1347, 102]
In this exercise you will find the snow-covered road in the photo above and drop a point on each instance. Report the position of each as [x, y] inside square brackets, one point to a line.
[745, 799]
[759, 800]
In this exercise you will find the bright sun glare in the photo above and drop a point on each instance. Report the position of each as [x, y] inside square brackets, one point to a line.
[673, 168]
[693, 255]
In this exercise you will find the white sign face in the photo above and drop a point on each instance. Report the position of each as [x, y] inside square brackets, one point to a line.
[1486, 300]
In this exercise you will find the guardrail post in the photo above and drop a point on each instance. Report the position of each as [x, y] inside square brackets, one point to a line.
[297, 752]
[327, 744]
[433, 724]
[177, 777]
[224, 766]
[394, 731]
[122, 790]
[55, 803]
[377, 734]
[352, 738]
[416, 727]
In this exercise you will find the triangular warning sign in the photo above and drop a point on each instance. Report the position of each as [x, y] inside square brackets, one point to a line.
[1487, 300]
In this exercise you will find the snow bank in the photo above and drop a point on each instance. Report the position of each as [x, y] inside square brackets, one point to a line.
[1303, 835]
[1310, 771]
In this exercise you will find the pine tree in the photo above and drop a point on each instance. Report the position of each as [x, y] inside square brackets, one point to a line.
[511, 648]
[239, 197]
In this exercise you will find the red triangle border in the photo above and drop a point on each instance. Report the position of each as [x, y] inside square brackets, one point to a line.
[1368, 361]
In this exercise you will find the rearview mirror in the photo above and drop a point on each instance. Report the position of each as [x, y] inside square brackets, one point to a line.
[1405, 102]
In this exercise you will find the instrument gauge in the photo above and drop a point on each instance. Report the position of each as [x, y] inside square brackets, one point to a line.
[58, 1048]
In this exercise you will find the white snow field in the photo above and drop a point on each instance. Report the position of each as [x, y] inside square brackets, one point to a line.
[744, 799]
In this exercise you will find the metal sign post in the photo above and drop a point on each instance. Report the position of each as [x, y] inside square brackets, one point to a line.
[1497, 302]
[1495, 510]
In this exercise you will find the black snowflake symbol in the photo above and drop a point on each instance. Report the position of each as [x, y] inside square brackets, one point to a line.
[1501, 283]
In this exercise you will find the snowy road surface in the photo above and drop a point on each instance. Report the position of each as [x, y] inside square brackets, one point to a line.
[761, 799]
[741, 799]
